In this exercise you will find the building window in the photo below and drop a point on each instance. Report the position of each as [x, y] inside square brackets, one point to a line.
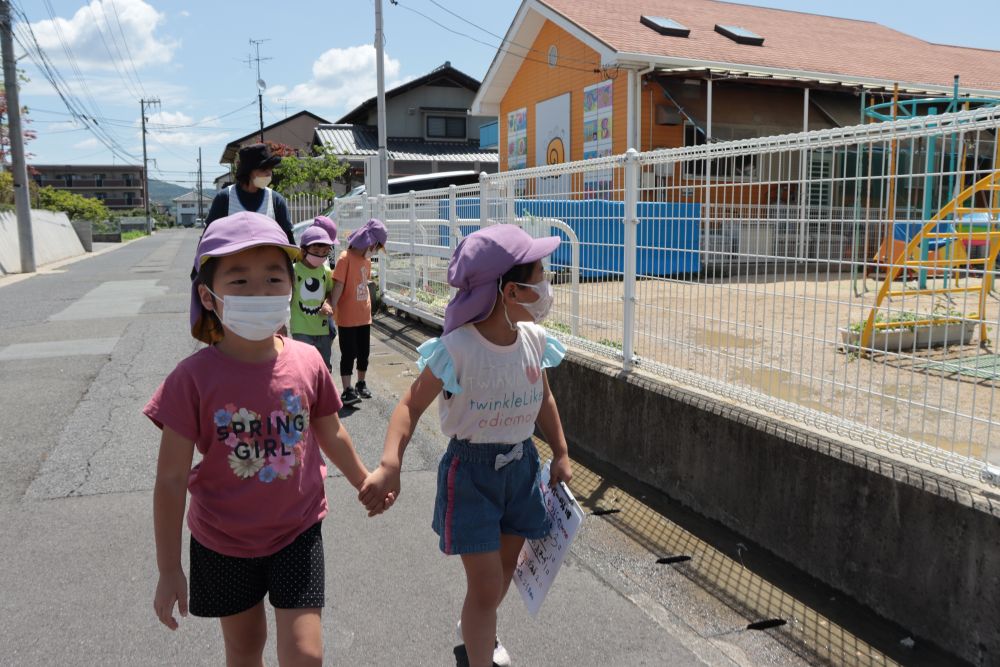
[129, 198]
[100, 196]
[446, 127]
[99, 178]
[553, 55]
[128, 180]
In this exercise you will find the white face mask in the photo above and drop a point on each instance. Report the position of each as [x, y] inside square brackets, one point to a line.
[539, 309]
[262, 181]
[254, 317]
[369, 253]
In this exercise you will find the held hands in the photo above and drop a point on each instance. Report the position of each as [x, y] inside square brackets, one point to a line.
[379, 490]
[171, 587]
[560, 470]
[326, 310]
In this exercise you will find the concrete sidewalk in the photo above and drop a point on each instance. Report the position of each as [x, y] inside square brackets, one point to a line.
[77, 530]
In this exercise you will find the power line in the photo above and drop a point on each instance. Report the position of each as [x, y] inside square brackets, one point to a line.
[502, 39]
[28, 39]
[128, 51]
[52, 76]
[114, 61]
[592, 70]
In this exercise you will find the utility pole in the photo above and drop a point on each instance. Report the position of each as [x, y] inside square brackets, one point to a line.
[145, 159]
[383, 158]
[19, 171]
[201, 211]
[260, 82]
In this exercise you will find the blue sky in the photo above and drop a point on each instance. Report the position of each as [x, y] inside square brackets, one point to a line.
[192, 56]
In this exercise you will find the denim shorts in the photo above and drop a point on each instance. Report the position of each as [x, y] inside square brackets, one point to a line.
[323, 343]
[477, 501]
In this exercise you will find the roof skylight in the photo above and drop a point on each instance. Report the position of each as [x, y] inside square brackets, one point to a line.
[665, 26]
[739, 34]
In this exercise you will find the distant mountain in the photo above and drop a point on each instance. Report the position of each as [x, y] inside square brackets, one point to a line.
[164, 192]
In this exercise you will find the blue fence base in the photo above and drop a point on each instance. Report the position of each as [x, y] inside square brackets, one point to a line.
[669, 234]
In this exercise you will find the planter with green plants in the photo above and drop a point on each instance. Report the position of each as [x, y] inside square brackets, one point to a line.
[909, 331]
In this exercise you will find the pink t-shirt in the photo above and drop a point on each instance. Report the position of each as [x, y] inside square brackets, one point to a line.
[259, 483]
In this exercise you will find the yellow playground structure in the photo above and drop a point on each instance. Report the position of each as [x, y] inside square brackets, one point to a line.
[961, 221]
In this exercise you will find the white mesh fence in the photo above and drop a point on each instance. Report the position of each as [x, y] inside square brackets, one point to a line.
[842, 278]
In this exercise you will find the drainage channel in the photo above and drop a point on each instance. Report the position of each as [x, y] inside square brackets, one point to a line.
[798, 625]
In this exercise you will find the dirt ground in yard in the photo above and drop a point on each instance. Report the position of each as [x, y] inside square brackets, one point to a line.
[779, 334]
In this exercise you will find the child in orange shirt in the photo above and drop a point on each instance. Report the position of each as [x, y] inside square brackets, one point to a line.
[353, 306]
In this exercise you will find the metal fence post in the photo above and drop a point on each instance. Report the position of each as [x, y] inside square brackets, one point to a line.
[484, 200]
[376, 209]
[509, 213]
[412, 203]
[631, 222]
[452, 218]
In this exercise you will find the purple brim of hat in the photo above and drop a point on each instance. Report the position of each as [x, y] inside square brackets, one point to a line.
[476, 303]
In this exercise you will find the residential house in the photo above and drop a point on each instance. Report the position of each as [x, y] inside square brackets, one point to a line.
[296, 132]
[119, 187]
[587, 78]
[428, 128]
[186, 209]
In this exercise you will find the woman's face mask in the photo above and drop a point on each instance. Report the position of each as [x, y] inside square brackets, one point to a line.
[262, 181]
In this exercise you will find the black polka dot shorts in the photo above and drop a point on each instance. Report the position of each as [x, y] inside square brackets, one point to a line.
[292, 578]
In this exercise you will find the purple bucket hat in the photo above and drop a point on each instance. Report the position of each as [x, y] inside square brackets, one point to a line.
[227, 236]
[327, 224]
[315, 234]
[479, 262]
[369, 234]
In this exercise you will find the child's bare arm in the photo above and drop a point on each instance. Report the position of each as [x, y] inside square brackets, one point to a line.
[336, 444]
[169, 499]
[338, 289]
[551, 427]
[402, 423]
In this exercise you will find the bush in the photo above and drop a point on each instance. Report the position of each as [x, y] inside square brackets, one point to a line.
[75, 206]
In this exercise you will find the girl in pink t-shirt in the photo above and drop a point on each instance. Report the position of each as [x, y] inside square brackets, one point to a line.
[258, 407]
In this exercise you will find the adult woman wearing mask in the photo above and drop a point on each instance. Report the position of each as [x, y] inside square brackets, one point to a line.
[251, 192]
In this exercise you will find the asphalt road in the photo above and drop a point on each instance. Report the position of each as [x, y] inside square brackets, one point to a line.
[82, 348]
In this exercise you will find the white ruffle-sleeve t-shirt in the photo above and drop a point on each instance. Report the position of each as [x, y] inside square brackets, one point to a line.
[492, 393]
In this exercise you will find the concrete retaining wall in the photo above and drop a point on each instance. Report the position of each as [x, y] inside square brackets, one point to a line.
[54, 239]
[920, 549]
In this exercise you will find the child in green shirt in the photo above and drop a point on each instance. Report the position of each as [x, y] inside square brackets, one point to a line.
[311, 310]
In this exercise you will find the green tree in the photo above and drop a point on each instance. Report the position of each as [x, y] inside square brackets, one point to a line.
[75, 206]
[7, 189]
[315, 175]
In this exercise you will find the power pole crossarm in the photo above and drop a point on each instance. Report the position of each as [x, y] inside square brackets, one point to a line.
[19, 170]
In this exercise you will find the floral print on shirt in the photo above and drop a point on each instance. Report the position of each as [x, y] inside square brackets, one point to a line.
[266, 448]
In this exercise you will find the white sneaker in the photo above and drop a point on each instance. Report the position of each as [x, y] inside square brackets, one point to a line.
[500, 656]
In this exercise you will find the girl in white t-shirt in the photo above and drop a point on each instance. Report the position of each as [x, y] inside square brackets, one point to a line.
[489, 370]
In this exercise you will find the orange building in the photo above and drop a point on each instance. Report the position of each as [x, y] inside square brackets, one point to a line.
[584, 78]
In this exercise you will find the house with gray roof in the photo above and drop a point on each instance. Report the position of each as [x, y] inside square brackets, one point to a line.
[428, 126]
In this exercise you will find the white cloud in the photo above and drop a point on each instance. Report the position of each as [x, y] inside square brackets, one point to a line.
[94, 36]
[186, 139]
[342, 79]
[87, 143]
[184, 13]
[169, 118]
